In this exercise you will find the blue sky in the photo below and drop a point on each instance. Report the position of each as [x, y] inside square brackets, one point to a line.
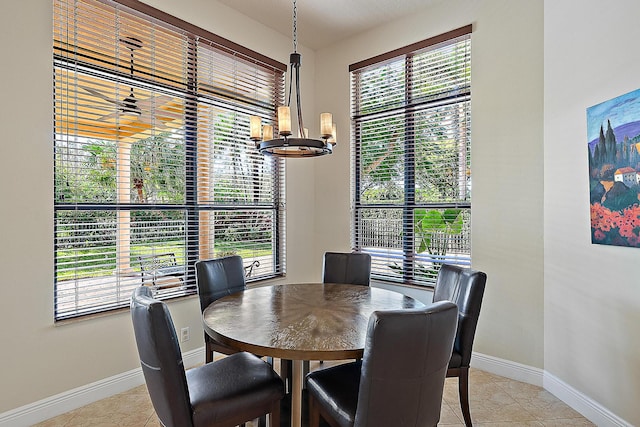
[620, 110]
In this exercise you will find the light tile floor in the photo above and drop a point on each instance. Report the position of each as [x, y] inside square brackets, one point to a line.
[495, 401]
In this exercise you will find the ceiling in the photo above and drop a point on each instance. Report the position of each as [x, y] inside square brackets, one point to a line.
[324, 22]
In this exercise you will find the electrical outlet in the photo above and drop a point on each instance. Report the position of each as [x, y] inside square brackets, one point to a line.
[184, 334]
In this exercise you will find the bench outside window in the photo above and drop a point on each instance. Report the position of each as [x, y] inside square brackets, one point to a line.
[163, 271]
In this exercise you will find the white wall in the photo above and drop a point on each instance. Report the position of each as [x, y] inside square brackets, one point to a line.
[591, 302]
[506, 158]
[592, 292]
[38, 358]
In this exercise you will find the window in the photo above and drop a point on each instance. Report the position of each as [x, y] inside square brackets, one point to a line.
[154, 168]
[411, 124]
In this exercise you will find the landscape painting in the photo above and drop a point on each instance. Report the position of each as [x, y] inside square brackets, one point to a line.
[613, 130]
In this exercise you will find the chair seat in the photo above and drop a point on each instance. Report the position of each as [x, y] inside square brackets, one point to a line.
[456, 360]
[338, 388]
[232, 390]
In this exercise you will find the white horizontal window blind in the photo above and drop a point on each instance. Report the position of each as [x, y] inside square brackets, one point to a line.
[411, 124]
[154, 168]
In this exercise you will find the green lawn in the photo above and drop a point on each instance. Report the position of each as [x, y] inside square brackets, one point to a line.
[97, 262]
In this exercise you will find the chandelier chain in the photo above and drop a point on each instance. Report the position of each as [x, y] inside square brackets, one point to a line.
[295, 26]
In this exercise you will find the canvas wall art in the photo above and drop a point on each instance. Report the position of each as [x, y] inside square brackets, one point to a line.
[613, 130]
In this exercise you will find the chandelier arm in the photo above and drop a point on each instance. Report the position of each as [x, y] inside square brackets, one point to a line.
[290, 85]
[298, 104]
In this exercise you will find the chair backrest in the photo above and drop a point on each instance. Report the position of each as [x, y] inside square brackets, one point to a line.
[219, 277]
[350, 268]
[160, 358]
[465, 288]
[404, 366]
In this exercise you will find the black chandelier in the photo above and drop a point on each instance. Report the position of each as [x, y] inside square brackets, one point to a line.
[286, 145]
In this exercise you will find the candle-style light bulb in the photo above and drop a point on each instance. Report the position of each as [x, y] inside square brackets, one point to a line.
[267, 133]
[284, 120]
[334, 134]
[326, 119]
[255, 125]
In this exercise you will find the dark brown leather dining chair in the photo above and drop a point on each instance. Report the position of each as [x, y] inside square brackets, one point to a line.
[399, 381]
[225, 393]
[216, 278]
[465, 288]
[350, 268]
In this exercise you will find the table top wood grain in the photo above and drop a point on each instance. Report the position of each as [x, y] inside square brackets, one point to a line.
[311, 321]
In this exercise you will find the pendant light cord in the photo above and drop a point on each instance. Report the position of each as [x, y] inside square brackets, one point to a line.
[295, 26]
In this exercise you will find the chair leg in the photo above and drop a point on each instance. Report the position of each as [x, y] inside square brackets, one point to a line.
[286, 372]
[274, 416]
[463, 391]
[208, 357]
[314, 413]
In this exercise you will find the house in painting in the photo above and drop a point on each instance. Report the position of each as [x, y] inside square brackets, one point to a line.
[628, 176]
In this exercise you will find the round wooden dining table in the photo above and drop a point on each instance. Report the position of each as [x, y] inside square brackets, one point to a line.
[299, 322]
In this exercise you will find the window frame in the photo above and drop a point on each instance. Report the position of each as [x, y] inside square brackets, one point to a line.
[408, 272]
[192, 207]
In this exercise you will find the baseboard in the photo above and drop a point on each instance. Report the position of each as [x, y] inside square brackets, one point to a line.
[590, 409]
[69, 400]
[508, 369]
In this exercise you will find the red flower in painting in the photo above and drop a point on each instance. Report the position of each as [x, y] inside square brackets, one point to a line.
[600, 218]
[613, 226]
[626, 231]
[599, 235]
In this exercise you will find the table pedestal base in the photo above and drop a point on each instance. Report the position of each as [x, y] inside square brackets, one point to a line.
[296, 394]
